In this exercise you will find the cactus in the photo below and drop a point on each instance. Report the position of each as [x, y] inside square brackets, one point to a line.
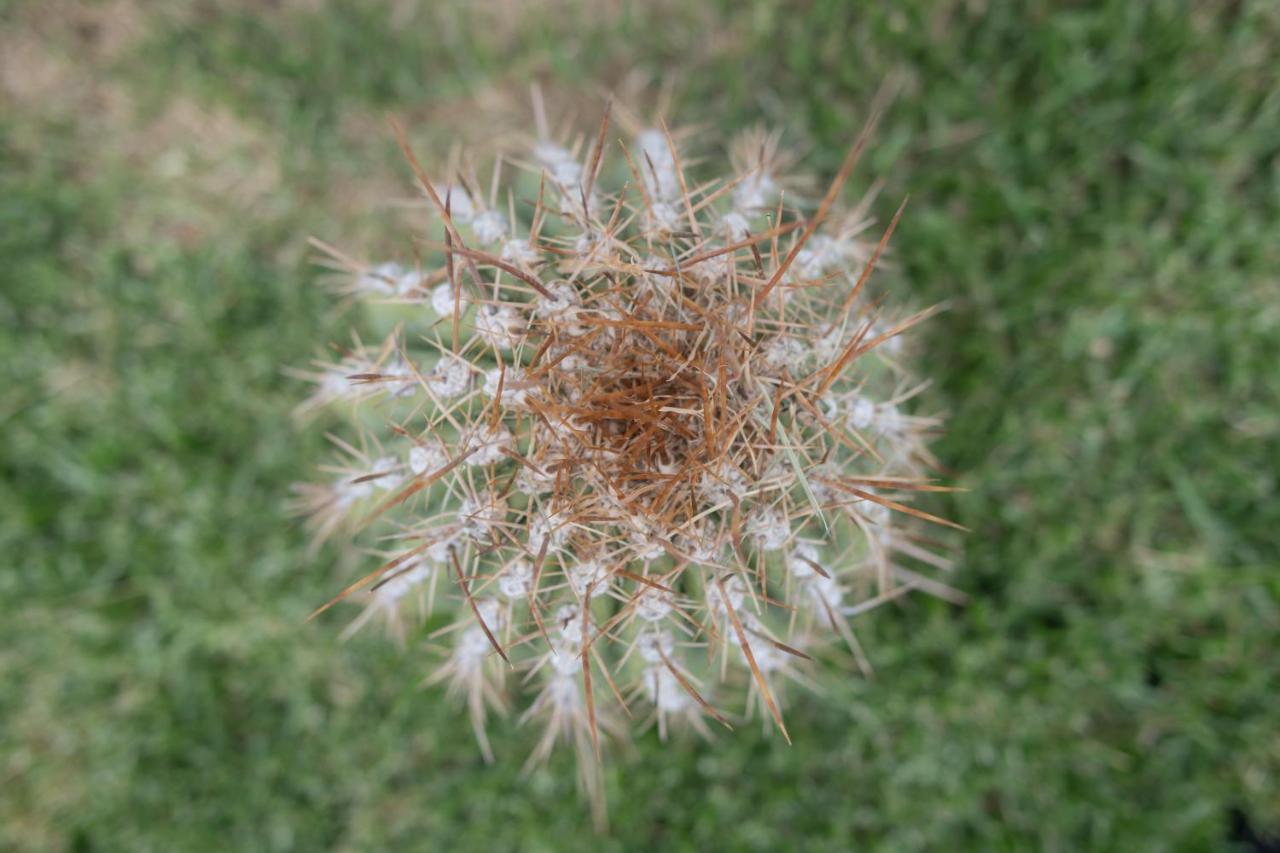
[643, 452]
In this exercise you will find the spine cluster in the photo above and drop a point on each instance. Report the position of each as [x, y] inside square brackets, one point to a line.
[643, 445]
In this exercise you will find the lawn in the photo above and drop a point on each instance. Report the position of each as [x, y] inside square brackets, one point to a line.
[1095, 192]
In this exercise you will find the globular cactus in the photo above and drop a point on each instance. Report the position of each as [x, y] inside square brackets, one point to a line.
[642, 451]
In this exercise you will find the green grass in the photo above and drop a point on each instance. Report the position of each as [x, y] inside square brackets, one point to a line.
[1094, 188]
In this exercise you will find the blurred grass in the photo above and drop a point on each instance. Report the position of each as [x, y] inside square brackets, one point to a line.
[1094, 187]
